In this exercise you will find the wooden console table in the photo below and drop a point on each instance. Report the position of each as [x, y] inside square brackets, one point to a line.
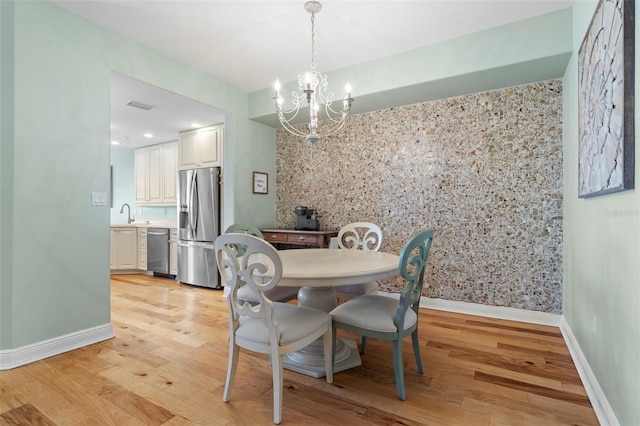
[318, 239]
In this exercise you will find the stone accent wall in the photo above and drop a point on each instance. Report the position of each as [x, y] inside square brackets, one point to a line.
[483, 170]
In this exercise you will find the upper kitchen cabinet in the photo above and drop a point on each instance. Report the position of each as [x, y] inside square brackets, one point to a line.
[155, 174]
[200, 148]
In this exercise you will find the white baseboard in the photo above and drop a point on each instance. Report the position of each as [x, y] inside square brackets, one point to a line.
[500, 312]
[598, 400]
[12, 358]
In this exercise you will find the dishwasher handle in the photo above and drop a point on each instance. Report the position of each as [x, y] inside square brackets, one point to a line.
[157, 233]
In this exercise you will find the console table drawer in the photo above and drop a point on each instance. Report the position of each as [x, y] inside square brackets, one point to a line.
[275, 237]
[303, 239]
[287, 237]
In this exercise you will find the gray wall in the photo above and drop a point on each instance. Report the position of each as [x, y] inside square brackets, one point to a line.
[483, 170]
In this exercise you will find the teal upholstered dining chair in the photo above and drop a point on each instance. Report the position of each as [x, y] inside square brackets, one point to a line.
[278, 294]
[268, 327]
[387, 318]
[358, 236]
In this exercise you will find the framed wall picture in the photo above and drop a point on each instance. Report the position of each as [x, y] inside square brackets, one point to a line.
[606, 101]
[260, 183]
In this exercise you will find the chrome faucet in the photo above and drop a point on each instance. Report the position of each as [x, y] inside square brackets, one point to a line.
[129, 219]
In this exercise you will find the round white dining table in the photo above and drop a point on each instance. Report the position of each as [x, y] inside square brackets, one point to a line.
[318, 272]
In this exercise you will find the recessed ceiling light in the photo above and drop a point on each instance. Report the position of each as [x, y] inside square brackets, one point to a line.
[195, 125]
[115, 143]
[139, 105]
[148, 135]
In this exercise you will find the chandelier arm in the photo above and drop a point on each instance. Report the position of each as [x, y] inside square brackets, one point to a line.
[289, 127]
[293, 111]
[332, 130]
[342, 113]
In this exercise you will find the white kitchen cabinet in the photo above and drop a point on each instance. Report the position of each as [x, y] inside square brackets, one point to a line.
[155, 174]
[169, 172]
[142, 249]
[141, 159]
[124, 248]
[173, 251]
[200, 148]
[154, 178]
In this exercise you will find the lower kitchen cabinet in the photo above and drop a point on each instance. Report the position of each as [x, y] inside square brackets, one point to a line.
[142, 249]
[124, 248]
[173, 252]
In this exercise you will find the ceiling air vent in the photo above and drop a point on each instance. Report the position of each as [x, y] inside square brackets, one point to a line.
[139, 105]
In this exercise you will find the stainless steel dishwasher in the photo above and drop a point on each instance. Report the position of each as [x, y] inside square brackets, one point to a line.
[158, 250]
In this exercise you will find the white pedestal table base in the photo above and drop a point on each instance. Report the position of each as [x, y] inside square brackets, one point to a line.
[310, 359]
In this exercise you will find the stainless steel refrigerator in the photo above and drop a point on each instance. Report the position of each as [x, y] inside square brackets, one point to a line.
[198, 226]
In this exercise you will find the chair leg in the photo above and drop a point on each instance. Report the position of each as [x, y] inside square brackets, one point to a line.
[276, 364]
[334, 341]
[397, 368]
[416, 350]
[363, 344]
[234, 352]
[329, 351]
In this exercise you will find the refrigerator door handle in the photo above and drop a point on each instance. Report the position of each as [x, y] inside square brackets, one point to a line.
[193, 212]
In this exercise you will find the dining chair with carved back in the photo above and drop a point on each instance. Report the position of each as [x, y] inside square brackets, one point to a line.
[268, 327]
[358, 236]
[277, 294]
[387, 318]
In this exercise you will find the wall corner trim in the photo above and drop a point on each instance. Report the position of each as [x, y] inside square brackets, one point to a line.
[12, 358]
[598, 399]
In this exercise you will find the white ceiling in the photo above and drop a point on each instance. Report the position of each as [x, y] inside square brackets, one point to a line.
[249, 44]
[171, 113]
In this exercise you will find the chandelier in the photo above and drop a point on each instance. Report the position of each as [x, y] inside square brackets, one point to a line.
[313, 87]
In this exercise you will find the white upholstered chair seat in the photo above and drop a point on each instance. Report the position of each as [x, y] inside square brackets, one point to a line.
[294, 323]
[373, 312]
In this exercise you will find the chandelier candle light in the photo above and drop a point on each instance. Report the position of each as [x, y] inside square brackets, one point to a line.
[314, 88]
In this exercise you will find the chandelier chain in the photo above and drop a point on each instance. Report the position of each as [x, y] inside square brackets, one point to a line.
[313, 44]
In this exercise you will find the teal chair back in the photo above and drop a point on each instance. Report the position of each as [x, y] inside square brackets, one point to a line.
[238, 228]
[413, 262]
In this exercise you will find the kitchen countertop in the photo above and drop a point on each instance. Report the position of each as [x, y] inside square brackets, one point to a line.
[146, 224]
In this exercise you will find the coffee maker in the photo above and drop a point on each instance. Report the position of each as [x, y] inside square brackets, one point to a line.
[306, 219]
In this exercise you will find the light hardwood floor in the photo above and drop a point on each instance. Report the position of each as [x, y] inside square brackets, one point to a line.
[167, 366]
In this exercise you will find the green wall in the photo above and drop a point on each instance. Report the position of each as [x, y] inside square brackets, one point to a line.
[601, 258]
[56, 71]
[54, 109]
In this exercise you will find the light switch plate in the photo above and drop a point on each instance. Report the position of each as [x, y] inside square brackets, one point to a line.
[98, 198]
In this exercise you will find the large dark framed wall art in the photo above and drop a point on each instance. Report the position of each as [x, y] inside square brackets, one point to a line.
[606, 101]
